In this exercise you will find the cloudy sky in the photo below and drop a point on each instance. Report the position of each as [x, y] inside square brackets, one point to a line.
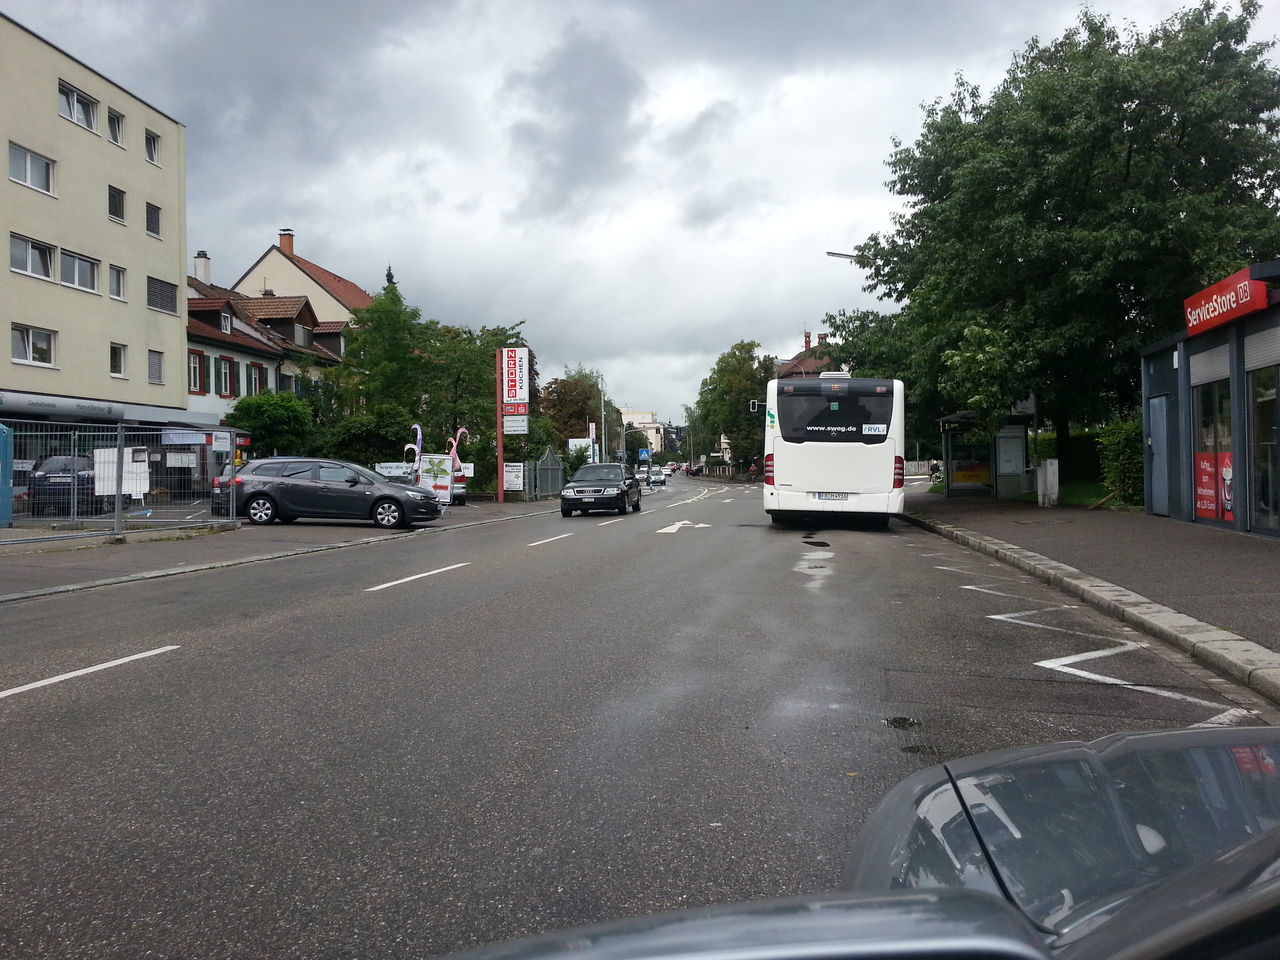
[643, 182]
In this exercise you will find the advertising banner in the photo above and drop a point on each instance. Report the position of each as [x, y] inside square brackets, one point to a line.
[1215, 486]
[515, 425]
[513, 476]
[437, 475]
[515, 375]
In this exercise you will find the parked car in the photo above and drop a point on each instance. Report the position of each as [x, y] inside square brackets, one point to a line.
[601, 486]
[58, 481]
[286, 488]
[459, 489]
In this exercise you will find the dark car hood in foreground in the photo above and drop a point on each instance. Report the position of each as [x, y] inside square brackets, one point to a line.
[1154, 846]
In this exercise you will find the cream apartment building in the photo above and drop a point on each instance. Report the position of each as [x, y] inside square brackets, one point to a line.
[94, 301]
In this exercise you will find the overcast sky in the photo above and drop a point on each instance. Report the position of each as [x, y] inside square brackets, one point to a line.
[644, 182]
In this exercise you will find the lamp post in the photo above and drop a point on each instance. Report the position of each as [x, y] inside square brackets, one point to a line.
[604, 426]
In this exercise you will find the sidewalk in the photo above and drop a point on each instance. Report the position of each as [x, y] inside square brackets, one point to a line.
[1210, 592]
[29, 570]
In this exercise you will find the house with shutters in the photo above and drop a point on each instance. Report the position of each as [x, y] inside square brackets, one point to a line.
[241, 346]
[282, 273]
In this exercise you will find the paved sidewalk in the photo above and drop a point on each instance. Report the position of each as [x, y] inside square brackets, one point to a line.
[1211, 592]
[29, 570]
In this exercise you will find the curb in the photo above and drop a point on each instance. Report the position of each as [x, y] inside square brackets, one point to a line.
[1227, 653]
[223, 564]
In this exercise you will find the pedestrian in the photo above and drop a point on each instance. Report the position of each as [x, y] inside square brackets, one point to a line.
[751, 473]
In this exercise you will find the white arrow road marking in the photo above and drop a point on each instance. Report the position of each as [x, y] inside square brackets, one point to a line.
[1063, 664]
[79, 673]
[681, 523]
[416, 576]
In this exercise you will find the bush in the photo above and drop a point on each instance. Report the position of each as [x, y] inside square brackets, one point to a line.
[1084, 462]
[1120, 452]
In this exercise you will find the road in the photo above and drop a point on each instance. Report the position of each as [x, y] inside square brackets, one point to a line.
[409, 747]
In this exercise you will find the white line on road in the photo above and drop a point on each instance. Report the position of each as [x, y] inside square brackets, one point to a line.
[416, 576]
[539, 543]
[79, 673]
[605, 523]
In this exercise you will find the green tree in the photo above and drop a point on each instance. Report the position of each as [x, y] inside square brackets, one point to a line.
[278, 423]
[574, 400]
[384, 364]
[1055, 227]
[725, 396]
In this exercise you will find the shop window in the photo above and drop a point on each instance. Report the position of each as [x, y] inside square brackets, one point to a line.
[1264, 457]
[1214, 474]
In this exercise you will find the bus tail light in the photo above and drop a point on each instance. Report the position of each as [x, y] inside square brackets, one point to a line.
[768, 469]
[899, 470]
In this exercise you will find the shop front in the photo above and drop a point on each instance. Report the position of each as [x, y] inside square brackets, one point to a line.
[1209, 407]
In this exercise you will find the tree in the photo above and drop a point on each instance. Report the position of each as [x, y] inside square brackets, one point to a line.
[574, 400]
[724, 399]
[278, 423]
[384, 365]
[1054, 228]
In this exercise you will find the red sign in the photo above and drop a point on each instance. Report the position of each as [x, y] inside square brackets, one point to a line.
[515, 376]
[1225, 301]
[515, 409]
[1215, 486]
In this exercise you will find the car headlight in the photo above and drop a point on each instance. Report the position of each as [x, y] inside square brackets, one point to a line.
[568, 492]
[414, 495]
[612, 490]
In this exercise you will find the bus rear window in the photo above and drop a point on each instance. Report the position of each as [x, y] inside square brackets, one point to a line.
[834, 416]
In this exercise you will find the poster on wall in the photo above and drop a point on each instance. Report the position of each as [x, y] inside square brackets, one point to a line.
[1214, 486]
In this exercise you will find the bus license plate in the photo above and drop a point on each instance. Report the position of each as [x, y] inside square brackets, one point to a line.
[833, 496]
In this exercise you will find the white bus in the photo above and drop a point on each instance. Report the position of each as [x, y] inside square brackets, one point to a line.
[834, 444]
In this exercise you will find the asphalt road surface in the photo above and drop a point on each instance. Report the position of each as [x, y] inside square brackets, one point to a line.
[406, 748]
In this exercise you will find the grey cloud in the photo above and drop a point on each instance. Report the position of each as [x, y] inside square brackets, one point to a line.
[714, 121]
[583, 97]
[709, 207]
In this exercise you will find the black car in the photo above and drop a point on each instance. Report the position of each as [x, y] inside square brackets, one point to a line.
[58, 481]
[286, 488]
[601, 486]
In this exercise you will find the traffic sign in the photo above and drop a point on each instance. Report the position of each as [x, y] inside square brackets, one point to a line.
[645, 453]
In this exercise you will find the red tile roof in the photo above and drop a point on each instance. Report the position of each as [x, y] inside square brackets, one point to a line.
[340, 288]
[206, 331]
[332, 326]
[272, 308]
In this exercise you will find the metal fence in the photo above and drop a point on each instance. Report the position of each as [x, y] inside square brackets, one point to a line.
[80, 480]
[547, 475]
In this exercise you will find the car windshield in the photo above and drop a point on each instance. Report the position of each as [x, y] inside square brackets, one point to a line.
[347, 702]
[598, 471]
[57, 464]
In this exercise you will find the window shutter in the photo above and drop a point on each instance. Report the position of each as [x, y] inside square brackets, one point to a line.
[235, 378]
[208, 370]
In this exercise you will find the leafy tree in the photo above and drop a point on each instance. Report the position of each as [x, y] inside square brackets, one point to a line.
[376, 434]
[1055, 227]
[278, 423]
[574, 400]
[724, 399]
[384, 365]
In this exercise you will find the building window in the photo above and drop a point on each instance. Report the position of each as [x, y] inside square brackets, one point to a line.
[1214, 480]
[225, 386]
[33, 345]
[195, 372]
[301, 335]
[153, 147]
[153, 220]
[116, 275]
[115, 203]
[257, 377]
[115, 127]
[30, 256]
[78, 271]
[155, 366]
[77, 106]
[224, 322]
[117, 359]
[162, 295]
[30, 168]
[284, 383]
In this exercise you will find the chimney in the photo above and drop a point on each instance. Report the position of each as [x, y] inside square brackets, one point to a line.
[822, 338]
[807, 343]
[286, 239]
[204, 267]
